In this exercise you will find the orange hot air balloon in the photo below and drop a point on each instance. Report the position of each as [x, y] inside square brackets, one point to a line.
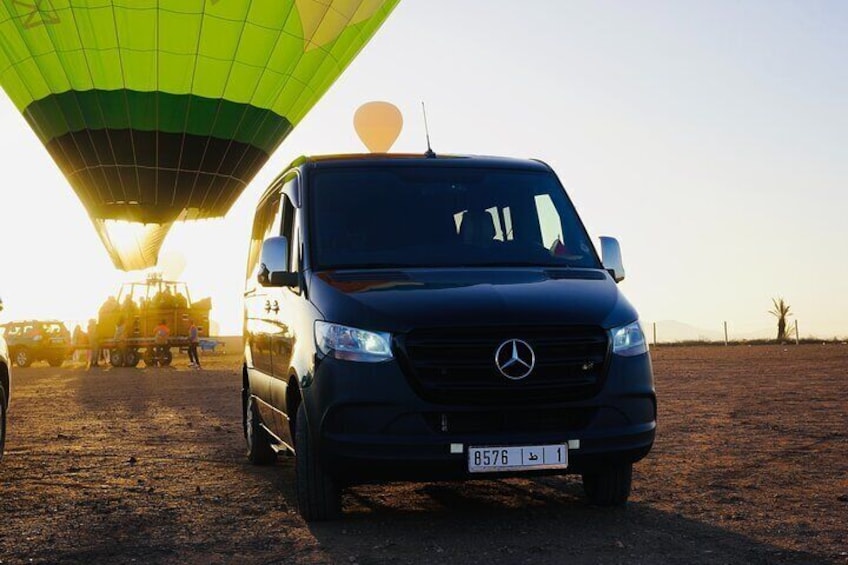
[160, 111]
[378, 125]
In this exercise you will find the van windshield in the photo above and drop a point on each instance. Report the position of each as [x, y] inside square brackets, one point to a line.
[404, 216]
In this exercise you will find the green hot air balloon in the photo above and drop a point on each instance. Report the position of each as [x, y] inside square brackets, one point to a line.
[159, 111]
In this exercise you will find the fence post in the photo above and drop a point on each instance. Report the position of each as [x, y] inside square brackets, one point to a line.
[655, 334]
[725, 334]
[797, 340]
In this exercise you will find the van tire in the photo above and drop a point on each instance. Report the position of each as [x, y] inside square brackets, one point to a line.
[609, 487]
[259, 451]
[318, 497]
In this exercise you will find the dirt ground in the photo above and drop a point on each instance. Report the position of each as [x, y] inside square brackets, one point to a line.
[148, 466]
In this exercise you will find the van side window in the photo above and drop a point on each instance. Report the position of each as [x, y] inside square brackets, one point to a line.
[288, 231]
[266, 218]
[288, 224]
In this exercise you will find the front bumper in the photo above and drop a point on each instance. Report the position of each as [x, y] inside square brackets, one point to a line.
[371, 426]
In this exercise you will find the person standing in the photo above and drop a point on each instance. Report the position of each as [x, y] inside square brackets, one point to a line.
[121, 337]
[77, 342]
[93, 344]
[193, 341]
[161, 337]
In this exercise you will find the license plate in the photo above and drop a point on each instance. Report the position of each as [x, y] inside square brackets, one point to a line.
[495, 459]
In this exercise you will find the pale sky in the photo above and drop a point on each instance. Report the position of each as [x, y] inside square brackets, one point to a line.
[710, 138]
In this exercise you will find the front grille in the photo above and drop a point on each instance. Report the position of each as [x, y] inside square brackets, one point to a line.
[457, 365]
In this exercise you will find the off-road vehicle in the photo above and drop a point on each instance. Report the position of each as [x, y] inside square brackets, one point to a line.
[36, 340]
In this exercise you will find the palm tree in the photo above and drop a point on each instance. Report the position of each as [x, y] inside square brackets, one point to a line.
[781, 312]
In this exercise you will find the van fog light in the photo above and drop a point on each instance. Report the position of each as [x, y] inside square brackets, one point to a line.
[352, 344]
[629, 340]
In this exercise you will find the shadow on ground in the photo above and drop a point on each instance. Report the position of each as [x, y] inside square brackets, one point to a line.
[524, 521]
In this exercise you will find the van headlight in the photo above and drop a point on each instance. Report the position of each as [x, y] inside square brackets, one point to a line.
[629, 340]
[352, 344]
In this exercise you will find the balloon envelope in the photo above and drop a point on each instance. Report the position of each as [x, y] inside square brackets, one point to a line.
[163, 110]
[378, 125]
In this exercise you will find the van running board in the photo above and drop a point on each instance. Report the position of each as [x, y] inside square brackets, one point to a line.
[278, 445]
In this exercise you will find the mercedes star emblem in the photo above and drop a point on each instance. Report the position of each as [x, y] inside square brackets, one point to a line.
[515, 359]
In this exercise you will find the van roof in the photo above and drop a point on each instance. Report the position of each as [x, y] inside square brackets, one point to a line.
[418, 159]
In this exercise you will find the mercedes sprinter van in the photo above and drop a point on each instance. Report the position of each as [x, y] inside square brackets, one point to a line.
[420, 317]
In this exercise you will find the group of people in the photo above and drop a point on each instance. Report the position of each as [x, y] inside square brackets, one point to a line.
[167, 299]
[162, 334]
[85, 343]
[89, 341]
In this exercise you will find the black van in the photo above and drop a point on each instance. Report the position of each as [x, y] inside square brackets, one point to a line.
[414, 317]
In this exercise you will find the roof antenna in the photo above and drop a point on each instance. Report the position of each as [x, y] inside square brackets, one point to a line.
[429, 153]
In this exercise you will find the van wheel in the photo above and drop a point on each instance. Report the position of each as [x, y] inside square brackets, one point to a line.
[259, 450]
[55, 361]
[609, 487]
[318, 497]
[2, 421]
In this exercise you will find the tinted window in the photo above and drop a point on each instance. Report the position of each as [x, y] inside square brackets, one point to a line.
[266, 223]
[444, 217]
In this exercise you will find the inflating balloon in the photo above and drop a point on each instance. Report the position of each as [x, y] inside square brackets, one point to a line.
[159, 111]
[378, 125]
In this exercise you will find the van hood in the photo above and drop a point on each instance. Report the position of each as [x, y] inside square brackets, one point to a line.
[401, 300]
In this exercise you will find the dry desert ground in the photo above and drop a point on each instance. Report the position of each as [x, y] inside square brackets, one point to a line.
[147, 465]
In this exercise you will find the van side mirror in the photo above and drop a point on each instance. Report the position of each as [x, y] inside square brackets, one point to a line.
[274, 263]
[611, 258]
